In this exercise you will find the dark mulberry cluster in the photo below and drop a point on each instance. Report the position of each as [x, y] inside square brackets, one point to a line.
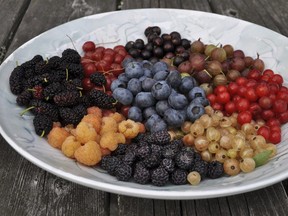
[154, 158]
[51, 89]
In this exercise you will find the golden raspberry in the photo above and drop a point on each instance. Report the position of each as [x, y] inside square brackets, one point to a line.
[129, 128]
[110, 140]
[94, 120]
[117, 117]
[69, 146]
[108, 124]
[89, 154]
[85, 132]
[57, 136]
[95, 110]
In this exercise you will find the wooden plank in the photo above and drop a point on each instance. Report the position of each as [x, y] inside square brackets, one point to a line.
[10, 16]
[201, 5]
[39, 18]
[271, 14]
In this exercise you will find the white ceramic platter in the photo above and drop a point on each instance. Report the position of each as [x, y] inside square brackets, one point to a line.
[118, 28]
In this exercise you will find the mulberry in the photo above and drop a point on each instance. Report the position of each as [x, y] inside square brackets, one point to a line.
[101, 100]
[24, 98]
[42, 67]
[42, 124]
[72, 115]
[67, 98]
[74, 84]
[98, 78]
[71, 56]
[75, 71]
[41, 107]
[51, 90]
[16, 80]
[31, 63]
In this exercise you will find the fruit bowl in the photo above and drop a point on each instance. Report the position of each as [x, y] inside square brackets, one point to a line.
[110, 29]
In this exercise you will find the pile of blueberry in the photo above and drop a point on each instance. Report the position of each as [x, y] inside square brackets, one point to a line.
[159, 96]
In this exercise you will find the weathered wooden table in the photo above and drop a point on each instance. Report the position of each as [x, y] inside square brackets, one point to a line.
[26, 189]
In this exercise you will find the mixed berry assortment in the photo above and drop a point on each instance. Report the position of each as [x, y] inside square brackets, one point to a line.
[163, 111]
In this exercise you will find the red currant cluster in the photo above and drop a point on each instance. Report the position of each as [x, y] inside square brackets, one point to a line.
[100, 59]
[258, 96]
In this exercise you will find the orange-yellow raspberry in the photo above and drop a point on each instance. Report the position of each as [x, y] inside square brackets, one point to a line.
[85, 132]
[105, 151]
[110, 140]
[95, 110]
[129, 128]
[89, 154]
[94, 120]
[69, 146]
[117, 116]
[108, 124]
[57, 136]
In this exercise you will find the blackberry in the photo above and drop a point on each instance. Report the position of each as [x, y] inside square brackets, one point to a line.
[159, 138]
[43, 124]
[177, 143]
[75, 71]
[67, 98]
[159, 176]
[109, 163]
[101, 100]
[71, 115]
[138, 137]
[41, 107]
[215, 169]
[16, 80]
[201, 167]
[24, 98]
[151, 161]
[123, 172]
[184, 159]
[129, 158]
[156, 150]
[143, 151]
[98, 78]
[179, 177]
[71, 56]
[120, 150]
[168, 164]
[141, 174]
[169, 151]
[51, 90]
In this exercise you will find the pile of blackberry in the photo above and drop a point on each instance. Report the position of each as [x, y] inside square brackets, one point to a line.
[159, 46]
[52, 90]
[153, 158]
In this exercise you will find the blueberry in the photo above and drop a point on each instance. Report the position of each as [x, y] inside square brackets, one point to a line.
[177, 100]
[117, 84]
[144, 99]
[161, 90]
[147, 84]
[134, 70]
[201, 100]
[134, 85]
[135, 114]
[174, 79]
[142, 78]
[147, 64]
[152, 121]
[195, 111]
[196, 92]
[159, 66]
[149, 111]
[159, 126]
[122, 77]
[160, 75]
[174, 117]
[148, 72]
[187, 83]
[162, 106]
[126, 61]
[124, 96]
